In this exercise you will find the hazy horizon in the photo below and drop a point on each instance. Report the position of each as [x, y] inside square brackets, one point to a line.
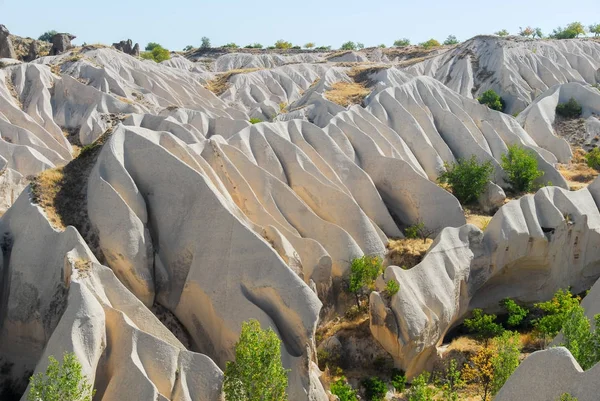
[324, 23]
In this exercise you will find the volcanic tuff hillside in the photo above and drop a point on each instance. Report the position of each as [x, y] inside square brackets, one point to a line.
[159, 218]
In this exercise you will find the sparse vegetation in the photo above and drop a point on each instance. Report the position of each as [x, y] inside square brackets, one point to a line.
[157, 54]
[205, 43]
[526, 32]
[451, 40]
[398, 380]
[578, 338]
[256, 374]
[420, 389]
[506, 358]
[593, 159]
[343, 390]
[255, 120]
[483, 326]
[502, 33]
[62, 382]
[151, 46]
[254, 46]
[492, 100]
[418, 230]
[392, 287]
[363, 272]
[402, 42]
[431, 43]
[556, 312]
[573, 30]
[467, 179]
[516, 313]
[407, 253]
[480, 370]
[521, 167]
[375, 388]
[570, 109]
[230, 45]
[348, 46]
[282, 44]
[220, 83]
[347, 93]
[309, 45]
[567, 397]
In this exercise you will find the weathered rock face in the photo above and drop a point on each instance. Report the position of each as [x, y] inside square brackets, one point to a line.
[6, 46]
[127, 47]
[34, 51]
[61, 42]
[522, 255]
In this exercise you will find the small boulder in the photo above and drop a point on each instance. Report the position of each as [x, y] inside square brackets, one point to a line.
[492, 198]
[127, 47]
[6, 47]
[61, 42]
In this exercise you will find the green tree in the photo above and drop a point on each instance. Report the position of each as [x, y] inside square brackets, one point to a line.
[61, 382]
[451, 382]
[467, 179]
[230, 45]
[375, 388]
[521, 167]
[309, 45]
[516, 313]
[257, 373]
[577, 338]
[573, 30]
[205, 43]
[343, 390]
[360, 46]
[506, 358]
[480, 371]
[483, 326]
[556, 312]
[451, 40]
[492, 100]
[47, 36]
[398, 380]
[430, 44]
[593, 159]
[363, 272]
[402, 42]
[420, 389]
[157, 54]
[348, 46]
[538, 32]
[151, 46]
[502, 33]
[595, 29]
[577, 27]
[188, 48]
[570, 109]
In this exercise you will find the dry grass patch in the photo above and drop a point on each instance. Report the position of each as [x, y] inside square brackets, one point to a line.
[361, 74]
[339, 324]
[83, 266]
[477, 217]
[45, 188]
[220, 83]
[406, 253]
[347, 93]
[577, 173]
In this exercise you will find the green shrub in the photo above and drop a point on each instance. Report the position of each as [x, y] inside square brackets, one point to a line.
[420, 389]
[451, 40]
[506, 359]
[47, 36]
[502, 33]
[572, 31]
[593, 159]
[571, 109]
[309, 45]
[188, 48]
[392, 287]
[254, 46]
[205, 43]
[255, 120]
[567, 397]
[556, 312]
[343, 390]
[492, 100]
[157, 54]
[398, 380]
[348, 46]
[402, 42]
[516, 313]
[577, 338]
[230, 46]
[595, 29]
[324, 48]
[151, 46]
[282, 44]
[412, 232]
[467, 179]
[382, 46]
[430, 44]
[375, 389]
[363, 272]
[521, 167]
[482, 326]
[61, 382]
[451, 382]
[256, 374]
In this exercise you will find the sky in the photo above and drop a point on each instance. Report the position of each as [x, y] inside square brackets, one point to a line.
[176, 24]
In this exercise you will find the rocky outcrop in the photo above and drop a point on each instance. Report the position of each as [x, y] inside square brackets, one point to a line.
[127, 47]
[61, 42]
[522, 255]
[6, 46]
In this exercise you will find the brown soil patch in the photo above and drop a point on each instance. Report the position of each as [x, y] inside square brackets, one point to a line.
[361, 74]
[347, 93]
[406, 253]
[577, 173]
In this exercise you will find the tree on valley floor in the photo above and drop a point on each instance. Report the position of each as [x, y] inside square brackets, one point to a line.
[467, 178]
[516, 313]
[451, 40]
[363, 273]
[502, 33]
[492, 100]
[341, 389]
[61, 382]
[420, 390]
[256, 374]
[521, 168]
[578, 338]
[483, 327]
[480, 371]
[556, 312]
[507, 349]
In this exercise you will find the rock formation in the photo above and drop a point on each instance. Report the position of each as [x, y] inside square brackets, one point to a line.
[127, 47]
[6, 46]
[61, 42]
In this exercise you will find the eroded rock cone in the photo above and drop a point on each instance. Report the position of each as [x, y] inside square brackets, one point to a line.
[61, 42]
[6, 47]
[126, 46]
